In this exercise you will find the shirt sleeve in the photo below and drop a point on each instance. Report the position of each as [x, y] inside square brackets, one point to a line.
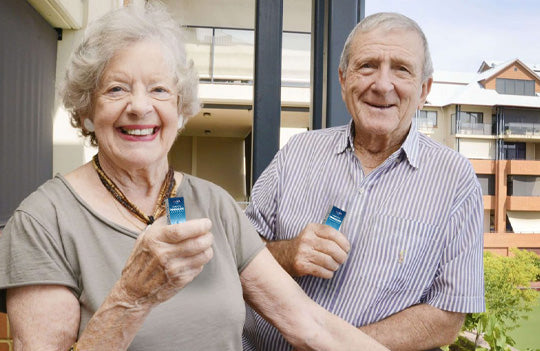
[31, 255]
[459, 282]
[262, 208]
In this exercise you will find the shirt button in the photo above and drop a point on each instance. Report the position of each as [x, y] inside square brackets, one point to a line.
[361, 191]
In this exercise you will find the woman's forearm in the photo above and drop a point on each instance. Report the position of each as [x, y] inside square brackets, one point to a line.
[305, 324]
[115, 323]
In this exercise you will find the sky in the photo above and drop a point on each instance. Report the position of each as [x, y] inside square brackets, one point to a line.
[463, 33]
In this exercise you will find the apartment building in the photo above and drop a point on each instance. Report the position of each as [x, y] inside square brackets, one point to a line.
[493, 117]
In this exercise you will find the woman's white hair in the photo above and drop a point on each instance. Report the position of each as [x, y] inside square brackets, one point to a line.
[112, 32]
[386, 21]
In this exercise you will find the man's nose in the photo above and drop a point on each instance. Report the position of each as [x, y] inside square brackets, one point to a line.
[140, 103]
[383, 81]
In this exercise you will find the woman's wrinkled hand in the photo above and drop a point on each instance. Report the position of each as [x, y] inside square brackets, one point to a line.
[164, 260]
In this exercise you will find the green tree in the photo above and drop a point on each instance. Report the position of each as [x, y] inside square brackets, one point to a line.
[508, 298]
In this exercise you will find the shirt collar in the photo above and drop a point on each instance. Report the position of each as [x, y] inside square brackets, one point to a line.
[409, 146]
[346, 140]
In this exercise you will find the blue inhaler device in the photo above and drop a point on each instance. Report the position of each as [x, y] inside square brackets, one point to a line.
[335, 217]
[176, 211]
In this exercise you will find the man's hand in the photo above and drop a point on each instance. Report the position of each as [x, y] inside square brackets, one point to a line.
[318, 250]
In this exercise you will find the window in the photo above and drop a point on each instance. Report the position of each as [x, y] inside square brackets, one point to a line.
[471, 117]
[426, 119]
[515, 86]
[470, 123]
[514, 151]
[487, 182]
[226, 55]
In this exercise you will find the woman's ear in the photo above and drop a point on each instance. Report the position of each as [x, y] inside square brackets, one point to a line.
[88, 125]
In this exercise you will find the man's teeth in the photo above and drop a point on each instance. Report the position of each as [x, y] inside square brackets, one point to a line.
[146, 131]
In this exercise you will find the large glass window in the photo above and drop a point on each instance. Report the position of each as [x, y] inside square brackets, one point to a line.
[199, 47]
[426, 119]
[471, 123]
[227, 55]
[514, 151]
[233, 54]
[487, 182]
[295, 59]
[514, 86]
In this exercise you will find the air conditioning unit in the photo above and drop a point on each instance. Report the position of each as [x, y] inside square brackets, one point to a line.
[66, 14]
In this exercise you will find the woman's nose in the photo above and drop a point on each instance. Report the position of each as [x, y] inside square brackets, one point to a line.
[140, 103]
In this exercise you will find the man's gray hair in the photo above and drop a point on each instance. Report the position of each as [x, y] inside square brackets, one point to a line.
[115, 31]
[387, 21]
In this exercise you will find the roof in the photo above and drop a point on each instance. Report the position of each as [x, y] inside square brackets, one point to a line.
[453, 88]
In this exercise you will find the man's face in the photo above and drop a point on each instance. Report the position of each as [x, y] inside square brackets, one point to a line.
[383, 85]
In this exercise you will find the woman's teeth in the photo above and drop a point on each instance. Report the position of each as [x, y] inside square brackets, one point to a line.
[146, 131]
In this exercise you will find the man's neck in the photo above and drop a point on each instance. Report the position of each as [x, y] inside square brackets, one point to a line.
[373, 150]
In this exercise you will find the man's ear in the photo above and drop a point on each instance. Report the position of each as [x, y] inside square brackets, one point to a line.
[426, 88]
[342, 82]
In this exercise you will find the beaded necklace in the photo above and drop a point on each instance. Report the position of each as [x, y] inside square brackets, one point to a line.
[167, 190]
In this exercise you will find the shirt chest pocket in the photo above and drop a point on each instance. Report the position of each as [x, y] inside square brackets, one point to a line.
[400, 254]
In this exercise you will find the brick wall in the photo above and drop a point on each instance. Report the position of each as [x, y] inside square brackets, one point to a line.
[6, 343]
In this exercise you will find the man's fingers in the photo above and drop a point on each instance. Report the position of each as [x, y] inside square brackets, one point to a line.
[309, 268]
[331, 249]
[329, 233]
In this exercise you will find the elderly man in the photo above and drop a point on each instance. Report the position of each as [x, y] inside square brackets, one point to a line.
[406, 263]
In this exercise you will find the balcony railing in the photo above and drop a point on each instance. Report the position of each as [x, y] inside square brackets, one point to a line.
[424, 126]
[526, 129]
[474, 128]
[226, 55]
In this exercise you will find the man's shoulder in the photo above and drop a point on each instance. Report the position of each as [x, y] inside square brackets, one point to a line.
[435, 148]
[442, 159]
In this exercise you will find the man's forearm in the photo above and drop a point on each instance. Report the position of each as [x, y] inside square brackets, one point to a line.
[421, 327]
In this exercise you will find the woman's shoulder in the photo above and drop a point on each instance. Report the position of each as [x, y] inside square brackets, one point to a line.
[53, 192]
[200, 185]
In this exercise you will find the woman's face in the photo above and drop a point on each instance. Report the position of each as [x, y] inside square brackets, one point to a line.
[135, 107]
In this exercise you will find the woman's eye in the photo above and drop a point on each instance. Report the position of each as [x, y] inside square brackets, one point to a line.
[161, 92]
[115, 89]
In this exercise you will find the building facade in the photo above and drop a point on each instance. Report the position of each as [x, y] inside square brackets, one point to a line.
[493, 118]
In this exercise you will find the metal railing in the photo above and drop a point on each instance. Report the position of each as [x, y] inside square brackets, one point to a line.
[474, 128]
[527, 129]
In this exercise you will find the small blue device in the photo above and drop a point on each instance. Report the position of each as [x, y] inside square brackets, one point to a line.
[335, 217]
[176, 211]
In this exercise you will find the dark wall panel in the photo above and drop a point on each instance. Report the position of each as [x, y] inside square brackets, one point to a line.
[27, 86]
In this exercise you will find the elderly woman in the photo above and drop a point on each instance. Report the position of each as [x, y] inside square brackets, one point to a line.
[87, 261]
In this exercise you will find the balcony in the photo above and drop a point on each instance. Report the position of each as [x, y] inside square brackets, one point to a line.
[522, 130]
[226, 56]
[424, 126]
[474, 128]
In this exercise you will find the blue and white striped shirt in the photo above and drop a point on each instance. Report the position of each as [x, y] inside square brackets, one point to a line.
[415, 225]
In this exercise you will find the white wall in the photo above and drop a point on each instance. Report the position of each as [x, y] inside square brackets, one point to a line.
[477, 148]
[237, 13]
[69, 150]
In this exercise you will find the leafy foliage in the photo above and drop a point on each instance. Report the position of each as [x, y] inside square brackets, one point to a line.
[508, 299]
